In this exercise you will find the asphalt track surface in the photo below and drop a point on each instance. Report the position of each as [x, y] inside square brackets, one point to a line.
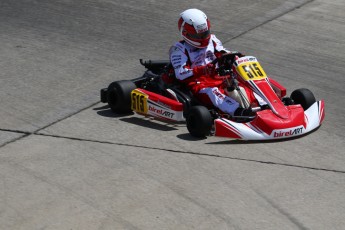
[67, 162]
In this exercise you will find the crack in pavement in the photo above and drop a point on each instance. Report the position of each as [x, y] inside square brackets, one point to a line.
[27, 133]
[177, 151]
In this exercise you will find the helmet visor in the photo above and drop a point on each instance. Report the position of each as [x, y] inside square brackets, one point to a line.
[202, 35]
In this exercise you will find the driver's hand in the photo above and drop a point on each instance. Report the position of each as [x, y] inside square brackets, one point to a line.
[210, 69]
[205, 70]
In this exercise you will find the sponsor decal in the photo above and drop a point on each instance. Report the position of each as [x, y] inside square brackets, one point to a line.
[185, 72]
[210, 56]
[245, 59]
[161, 112]
[287, 132]
[176, 59]
[242, 60]
[216, 92]
[201, 28]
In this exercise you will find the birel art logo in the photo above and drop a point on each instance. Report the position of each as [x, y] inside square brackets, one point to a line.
[161, 112]
[245, 59]
[287, 132]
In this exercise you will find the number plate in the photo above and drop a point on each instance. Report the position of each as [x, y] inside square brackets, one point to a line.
[139, 101]
[251, 70]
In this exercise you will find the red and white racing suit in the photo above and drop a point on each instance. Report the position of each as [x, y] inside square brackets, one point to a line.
[190, 64]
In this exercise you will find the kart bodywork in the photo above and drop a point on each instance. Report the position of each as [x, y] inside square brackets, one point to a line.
[158, 94]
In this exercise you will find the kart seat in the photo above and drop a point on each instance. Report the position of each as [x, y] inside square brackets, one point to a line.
[163, 68]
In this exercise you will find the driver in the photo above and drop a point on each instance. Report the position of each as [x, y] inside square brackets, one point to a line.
[192, 61]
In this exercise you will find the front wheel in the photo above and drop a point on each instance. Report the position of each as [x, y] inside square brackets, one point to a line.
[119, 96]
[304, 97]
[199, 121]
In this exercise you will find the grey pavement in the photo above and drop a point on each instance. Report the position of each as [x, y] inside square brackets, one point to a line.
[67, 162]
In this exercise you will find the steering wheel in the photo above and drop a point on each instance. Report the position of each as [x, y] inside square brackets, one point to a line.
[226, 61]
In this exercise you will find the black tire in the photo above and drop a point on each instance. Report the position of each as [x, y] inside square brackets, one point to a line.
[304, 97]
[119, 96]
[199, 121]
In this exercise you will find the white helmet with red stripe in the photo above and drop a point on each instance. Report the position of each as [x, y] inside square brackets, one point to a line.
[194, 27]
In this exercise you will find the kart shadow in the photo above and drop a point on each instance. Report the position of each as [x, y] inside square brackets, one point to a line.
[105, 111]
[239, 142]
[188, 137]
[148, 124]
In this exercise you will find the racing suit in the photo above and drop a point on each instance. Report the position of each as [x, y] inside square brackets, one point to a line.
[191, 67]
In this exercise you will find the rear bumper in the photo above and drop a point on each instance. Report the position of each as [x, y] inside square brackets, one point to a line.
[104, 96]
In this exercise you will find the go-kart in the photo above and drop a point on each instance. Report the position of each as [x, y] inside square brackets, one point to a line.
[273, 114]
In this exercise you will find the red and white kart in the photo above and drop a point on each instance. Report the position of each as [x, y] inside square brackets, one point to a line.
[275, 116]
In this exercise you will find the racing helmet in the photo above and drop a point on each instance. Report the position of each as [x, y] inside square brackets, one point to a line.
[195, 28]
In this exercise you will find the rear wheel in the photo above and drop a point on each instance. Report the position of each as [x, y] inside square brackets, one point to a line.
[304, 97]
[119, 96]
[199, 121]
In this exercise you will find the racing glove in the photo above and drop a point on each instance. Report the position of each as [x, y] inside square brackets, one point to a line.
[208, 69]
